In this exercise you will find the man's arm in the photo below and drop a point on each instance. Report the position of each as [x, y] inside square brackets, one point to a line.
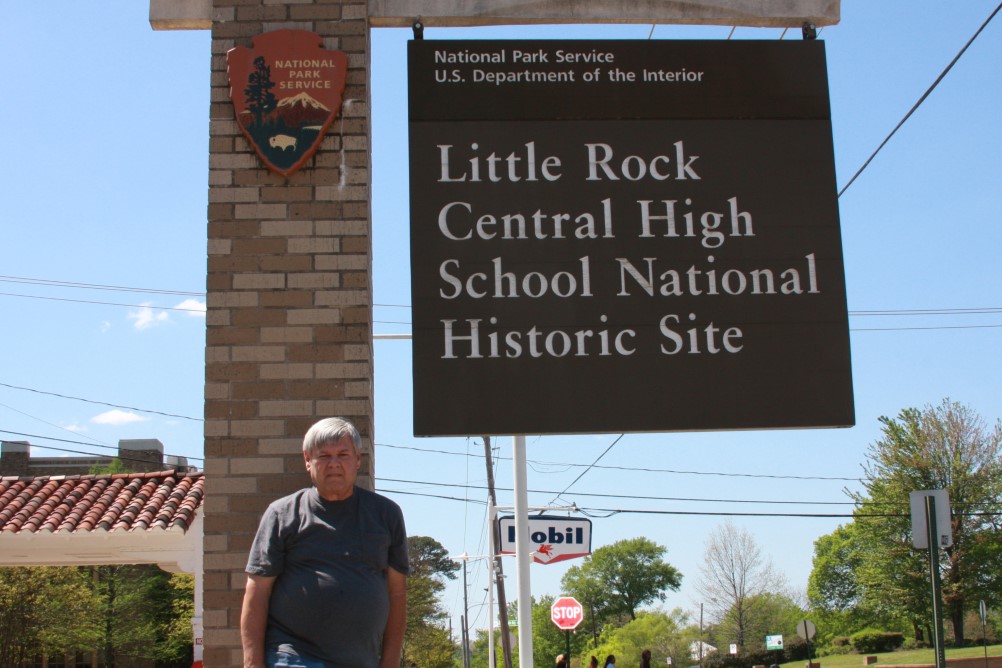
[254, 619]
[393, 635]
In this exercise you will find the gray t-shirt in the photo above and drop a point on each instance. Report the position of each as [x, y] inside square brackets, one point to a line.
[329, 601]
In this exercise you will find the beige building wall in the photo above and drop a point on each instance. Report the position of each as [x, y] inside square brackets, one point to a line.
[289, 322]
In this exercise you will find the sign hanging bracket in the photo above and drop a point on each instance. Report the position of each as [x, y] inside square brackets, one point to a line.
[809, 30]
[418, 28]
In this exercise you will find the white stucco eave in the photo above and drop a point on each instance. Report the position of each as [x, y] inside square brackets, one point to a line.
[173, 550]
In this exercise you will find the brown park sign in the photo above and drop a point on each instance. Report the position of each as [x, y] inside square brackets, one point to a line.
[620, 236]
[286, 92]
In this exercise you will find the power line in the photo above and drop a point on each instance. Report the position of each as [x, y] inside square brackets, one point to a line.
[51, 424]
[65, 440]
[396, 322]
[636, 469]
[101, 403]
[987, 310]
[124, 458]
[97, 303]
[93, 286]
[905, 329]
[920, 100]
[943, 311]
[587, 467]
[633, 496]
[590, 466]
[609, 512]
[120, 288]
[594, 464]
[858, 505]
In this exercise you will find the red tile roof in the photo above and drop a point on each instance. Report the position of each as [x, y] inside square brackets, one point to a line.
[162, 500]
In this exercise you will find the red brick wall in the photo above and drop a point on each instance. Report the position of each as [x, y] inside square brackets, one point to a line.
[289, 322]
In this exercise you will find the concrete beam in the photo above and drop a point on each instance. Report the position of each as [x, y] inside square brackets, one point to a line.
[197, 14]
[761, 13]
[181, 14]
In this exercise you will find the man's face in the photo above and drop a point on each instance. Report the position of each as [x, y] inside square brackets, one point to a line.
[333, 469]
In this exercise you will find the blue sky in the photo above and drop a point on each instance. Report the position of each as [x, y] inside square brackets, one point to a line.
[104, 175]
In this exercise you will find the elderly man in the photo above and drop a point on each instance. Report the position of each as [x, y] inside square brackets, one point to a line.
[327, 572]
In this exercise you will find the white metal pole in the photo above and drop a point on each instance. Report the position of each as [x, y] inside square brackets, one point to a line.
[522, 549]
[490, 586]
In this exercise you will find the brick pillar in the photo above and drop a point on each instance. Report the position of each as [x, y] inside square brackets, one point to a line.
[289, 322]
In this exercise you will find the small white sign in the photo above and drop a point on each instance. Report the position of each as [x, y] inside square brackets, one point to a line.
[734, 648]
[920, 528]
[774, 642]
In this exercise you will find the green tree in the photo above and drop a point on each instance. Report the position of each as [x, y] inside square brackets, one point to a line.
[480, 652]
[45, 610]
[767, 613]
[837, 589]
[833, 586]
[116, 466]
[426, 640]
[949, 447]
[176, 638]
[616, 580]
[735, 574]
[547, 640]
[429, 559]
[665, 634]
[146, 613]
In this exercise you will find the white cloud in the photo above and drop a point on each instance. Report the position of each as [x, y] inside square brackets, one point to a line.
[195, 308]
[117, 417]
[105, 326]
[76, 428]
[147, 317]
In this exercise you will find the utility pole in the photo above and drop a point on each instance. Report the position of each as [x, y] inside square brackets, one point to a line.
[498, 571]
[463, 620]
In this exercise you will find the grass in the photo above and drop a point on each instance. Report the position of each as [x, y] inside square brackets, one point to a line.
[904, 657]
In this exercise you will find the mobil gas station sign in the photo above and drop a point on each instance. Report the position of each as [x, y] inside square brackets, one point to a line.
[553, 539]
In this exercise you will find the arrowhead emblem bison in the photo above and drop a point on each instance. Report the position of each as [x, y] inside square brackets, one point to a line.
[286, 92]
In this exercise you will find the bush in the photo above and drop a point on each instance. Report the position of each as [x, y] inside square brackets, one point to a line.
[869, 641]
[835, 650]
[840, 641]
[796, 649]
[722, 660]
[764, 657]
[745, 659]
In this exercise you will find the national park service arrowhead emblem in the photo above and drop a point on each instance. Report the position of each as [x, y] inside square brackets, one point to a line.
[286, 92]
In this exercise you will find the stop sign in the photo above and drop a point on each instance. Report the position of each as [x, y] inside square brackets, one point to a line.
[567, 613]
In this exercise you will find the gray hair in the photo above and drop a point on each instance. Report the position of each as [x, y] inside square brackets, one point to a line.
[330, 430]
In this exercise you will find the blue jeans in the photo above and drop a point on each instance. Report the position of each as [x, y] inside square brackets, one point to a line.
[277, 659]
